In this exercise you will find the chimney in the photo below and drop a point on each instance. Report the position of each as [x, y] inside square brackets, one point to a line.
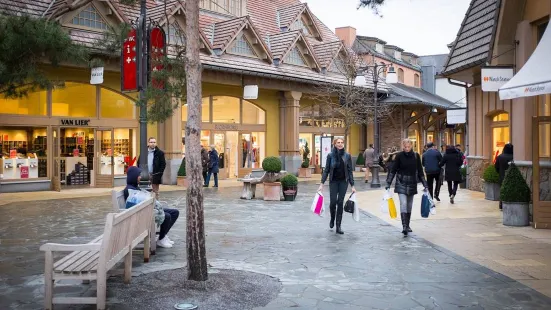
[347, 35]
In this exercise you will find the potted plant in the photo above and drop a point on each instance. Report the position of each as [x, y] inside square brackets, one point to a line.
[304, 171]
[463, 171]
[515, 195]
[181, 179]
[360, 162]
[491, 183]
[272, 167]
[289, 184]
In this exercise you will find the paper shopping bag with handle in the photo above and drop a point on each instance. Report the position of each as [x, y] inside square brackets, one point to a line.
[317, 204]
[388, 206]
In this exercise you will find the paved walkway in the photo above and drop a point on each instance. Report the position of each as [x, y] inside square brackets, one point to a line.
[370, 267]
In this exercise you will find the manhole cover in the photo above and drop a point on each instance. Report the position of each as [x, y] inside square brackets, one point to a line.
[185, 306]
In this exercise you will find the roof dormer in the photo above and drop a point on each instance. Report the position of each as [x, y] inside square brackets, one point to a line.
[394, 51]
[293, 48]
[410, 58]
[300, 18]
[95, 16]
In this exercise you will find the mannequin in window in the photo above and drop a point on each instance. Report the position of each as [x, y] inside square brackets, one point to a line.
[246, 154]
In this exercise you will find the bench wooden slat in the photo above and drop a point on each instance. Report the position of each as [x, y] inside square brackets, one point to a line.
[74, 255]
[81, 264]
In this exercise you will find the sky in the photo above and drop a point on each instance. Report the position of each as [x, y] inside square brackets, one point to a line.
[422, 27]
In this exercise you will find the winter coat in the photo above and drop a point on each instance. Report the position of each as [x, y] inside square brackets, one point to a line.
[453, 162]
[431, 161]
[331, 163]
[408, 170]
[132, 175]
[503, 160]
[369, 155]
[214, 162]
[205, 160]
[159, 165]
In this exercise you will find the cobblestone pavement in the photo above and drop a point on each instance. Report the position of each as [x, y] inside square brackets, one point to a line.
[371, 266]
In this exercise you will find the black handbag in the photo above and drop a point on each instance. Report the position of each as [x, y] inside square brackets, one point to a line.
[349, 205]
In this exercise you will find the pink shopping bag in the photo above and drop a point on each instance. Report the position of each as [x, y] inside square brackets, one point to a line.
[317, 204]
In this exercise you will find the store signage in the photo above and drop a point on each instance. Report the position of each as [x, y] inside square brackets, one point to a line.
[96, 76]
[494, 78]
[24, 170]
[13, 153]
[333, 123]
[456, 116]
[75, 122]
[250, 92]
[129, 76]
[226, 127]
[157, 48]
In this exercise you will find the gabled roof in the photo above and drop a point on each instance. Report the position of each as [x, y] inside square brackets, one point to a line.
[24, 7]
[158, 14]
[473, 45]
[281, 43]
[401, 93]
[361, 47]
[288, 15]
[294, 38]
[327, 52]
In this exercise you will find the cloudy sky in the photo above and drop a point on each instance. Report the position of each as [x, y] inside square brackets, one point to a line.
[423, 27]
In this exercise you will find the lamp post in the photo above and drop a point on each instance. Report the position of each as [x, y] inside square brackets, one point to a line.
[360, 81]
[141, 59]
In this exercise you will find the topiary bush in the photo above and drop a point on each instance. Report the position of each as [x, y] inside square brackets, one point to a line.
[306, 152]
[305, 163]
[271, 164]
[463, 171]
[361, 160]
[289, 181]
[182, 170]
[514, 187]
[490, 175]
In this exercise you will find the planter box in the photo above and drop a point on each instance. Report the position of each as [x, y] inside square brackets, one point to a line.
[272, 191]
[182, 181]
[516, 214]
[290, 193]
[304, 172]
[491, 191]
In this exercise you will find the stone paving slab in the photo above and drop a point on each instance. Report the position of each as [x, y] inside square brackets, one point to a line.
[371, 266]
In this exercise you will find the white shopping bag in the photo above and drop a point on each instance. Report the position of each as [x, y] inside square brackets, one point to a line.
[317, 205]
[356, 214]
[384, 202]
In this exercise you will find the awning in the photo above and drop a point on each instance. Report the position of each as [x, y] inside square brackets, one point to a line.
[403, 94]
[534, 78]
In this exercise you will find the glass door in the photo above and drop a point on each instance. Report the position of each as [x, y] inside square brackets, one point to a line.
[231, 155]
[245, 148]
[56, 173]
[105, 159]
[220, 145]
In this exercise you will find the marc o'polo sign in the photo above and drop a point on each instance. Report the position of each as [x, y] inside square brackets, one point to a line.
[494, 78]
[75, 122]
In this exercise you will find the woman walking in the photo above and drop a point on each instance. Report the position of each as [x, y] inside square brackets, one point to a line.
[338, 168]
[453, 161]
[408, 169]
[214, 166]
[204, 164]
[502, 164]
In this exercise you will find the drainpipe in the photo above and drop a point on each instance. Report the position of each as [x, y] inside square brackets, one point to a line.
[464, 85]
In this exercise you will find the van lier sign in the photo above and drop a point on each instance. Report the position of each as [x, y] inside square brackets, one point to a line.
[494, 78]
[75, 122]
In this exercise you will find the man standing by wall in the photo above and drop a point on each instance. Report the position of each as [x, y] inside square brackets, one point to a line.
[431, 162]
[156, 164]
[369, 155]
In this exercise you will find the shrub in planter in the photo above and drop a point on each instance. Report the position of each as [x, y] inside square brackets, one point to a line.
[515, 195]
[181, 179]
[289, 184]
[491, 183]
[305, 164]
[271, 164]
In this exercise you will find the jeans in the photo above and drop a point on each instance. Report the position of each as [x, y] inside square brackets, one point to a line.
[207, 181]
[205, 178]
[431, 178]
[337, 191]
[452, 189]
[171, 215]
[406, 203]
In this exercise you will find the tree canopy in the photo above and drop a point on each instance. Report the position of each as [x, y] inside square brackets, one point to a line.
[374, 5]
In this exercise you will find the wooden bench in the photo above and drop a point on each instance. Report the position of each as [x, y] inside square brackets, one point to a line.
[91, 261]
[119, 204]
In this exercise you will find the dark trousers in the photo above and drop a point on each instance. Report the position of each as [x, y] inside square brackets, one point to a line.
[433, 190]
[337, 191]
[215, 179]
[452, 189]
[205, 178]
[171, 215]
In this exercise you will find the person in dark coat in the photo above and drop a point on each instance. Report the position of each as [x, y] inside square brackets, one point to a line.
[502, 164]
[338, 168]
[213, 166]
[133, 177]
[156, 164]
[431, 162]
[408, 170]
[205, 165]
[453, 161]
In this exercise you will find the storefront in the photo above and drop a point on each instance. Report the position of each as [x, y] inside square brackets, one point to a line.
[69, 138]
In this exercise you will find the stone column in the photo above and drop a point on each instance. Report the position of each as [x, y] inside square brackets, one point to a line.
[172, 145]
[289, 131]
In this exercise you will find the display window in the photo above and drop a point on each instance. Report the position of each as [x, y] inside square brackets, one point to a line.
[305, 139]
[544, 109]
[24, 152]
[226, 110]
[253, 114]
[35, 103]
[76, 155]
[205, 111]
[75, 100]
[115, 105]
[500, 133]
[123, 149]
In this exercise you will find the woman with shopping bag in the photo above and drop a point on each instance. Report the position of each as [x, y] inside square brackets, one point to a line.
[338, 168]
[408, 171]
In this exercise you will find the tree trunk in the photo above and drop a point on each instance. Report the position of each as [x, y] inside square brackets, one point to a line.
[195, 237]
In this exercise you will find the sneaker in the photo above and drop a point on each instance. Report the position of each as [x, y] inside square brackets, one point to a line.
[451, 198]
[169, 240]
[163, 243]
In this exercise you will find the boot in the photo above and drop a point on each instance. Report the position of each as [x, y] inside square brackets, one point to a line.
[408, 219]
[404, 224]
[332, 223]
[339, 230]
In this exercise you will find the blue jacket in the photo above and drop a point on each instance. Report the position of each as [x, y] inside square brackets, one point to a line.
[132, 175]
[431, 161]
[214, 162]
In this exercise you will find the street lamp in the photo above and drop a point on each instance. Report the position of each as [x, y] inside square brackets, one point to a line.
[361, 81]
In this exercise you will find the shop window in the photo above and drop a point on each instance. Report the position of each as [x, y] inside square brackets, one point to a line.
[502, 117]
[74, 100]
[304, 140]
[124, 149]
[24, 152]
[205, 111]
[205, 139]
[32, 104]
[115, 105]
[226, 109]
[89, 17]
[544, 109]
[253, 114]
[400, 75]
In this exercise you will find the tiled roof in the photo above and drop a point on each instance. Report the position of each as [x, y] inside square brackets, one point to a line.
[402, 93]
[225, 31]
[473, 45]
[326, 52]
[361, 47]
[287, 15]
[282, 42]
[24, 7]
[158, 12]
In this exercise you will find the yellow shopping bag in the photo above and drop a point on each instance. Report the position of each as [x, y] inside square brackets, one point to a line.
[388, 206]
[392, 208]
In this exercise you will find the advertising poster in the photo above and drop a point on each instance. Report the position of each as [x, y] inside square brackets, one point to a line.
[325, 149]
[24, 172]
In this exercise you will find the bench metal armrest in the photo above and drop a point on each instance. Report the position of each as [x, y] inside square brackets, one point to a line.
[58, 247]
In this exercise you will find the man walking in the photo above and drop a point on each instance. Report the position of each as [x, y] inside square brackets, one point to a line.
[431, 162]
[156, 165]
[369, 155]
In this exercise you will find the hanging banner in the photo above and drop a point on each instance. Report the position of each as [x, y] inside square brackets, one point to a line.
[157, 48]
[494, 78]
[326, 148]
[456, 116]
[96, 76]
[129, 70]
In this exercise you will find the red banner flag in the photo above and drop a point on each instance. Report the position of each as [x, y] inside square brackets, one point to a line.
[157, 48]
[129, 76]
